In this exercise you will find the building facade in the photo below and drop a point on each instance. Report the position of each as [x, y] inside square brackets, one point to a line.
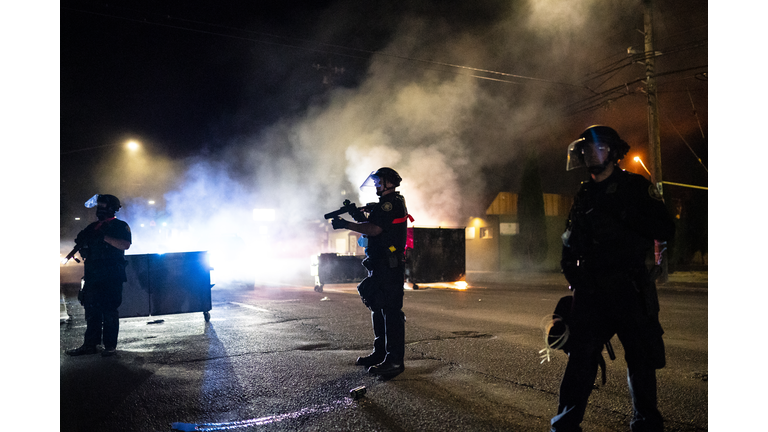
[493, 241]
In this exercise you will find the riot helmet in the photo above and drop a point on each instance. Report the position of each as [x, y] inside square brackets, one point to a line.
[596, 148]
[379, 178]
[111, 205]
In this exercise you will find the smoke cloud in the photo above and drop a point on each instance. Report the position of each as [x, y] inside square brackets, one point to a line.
[443, 128]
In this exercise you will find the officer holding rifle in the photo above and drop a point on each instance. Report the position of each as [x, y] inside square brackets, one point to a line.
[384, 231]
[102, 244]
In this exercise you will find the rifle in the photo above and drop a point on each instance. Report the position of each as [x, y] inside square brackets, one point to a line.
[71, 254]
[348, 207]
[81, 244]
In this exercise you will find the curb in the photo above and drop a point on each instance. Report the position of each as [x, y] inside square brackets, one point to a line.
[697, 281]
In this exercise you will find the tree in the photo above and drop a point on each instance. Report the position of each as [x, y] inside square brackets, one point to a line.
[532, 240]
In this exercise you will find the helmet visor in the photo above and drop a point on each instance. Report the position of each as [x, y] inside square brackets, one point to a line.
[92, 202]
[371, 181]
[582, 153]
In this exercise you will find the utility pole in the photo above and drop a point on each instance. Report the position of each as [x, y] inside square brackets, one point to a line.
[653, 103]
[654, 139]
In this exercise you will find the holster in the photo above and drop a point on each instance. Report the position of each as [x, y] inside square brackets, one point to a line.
[370, 293]
[369, 288]
[81, 294]
[392, 259]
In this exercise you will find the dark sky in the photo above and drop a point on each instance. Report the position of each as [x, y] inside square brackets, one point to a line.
[293, 103]
[187, 76]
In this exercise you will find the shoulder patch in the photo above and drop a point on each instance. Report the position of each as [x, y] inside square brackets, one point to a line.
[387, 206]
[654, 193]
[127, 228]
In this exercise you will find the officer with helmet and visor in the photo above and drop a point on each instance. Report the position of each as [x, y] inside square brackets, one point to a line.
[608, 259]
[102, 245]
[384, 237]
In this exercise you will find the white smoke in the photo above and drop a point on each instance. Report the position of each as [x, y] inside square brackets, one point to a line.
[440, 127]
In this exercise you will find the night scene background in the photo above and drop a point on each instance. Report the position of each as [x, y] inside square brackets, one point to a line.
[289, 105]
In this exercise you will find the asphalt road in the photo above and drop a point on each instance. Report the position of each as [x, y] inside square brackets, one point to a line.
[281, 358]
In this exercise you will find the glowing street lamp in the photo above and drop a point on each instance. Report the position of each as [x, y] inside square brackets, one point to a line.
[637, 159]
[131, 145]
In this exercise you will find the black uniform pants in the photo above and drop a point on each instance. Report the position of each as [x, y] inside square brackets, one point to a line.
[101, 300]
[612, 308]
[389, 333]
[384, 297]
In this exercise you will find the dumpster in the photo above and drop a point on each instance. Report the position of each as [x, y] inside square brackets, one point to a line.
[432, 255]
[435, 255]
[164, 284]
[332, 268]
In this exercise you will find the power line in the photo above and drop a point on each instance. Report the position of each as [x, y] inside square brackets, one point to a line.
[596, 100]
[616, 92]
[356, 50]
[686, 143]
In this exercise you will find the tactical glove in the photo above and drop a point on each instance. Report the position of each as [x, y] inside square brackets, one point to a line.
[339, 223]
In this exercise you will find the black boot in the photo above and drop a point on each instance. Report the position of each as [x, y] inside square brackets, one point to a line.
[371, 359]
[82, 350]
[387, 369]
[379, 349]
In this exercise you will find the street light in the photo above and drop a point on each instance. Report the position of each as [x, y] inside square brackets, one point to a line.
[131, 145]
[637, 159]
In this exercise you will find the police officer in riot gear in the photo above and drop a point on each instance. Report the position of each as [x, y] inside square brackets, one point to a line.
[384, 229]
[103, 249]
[608, 250]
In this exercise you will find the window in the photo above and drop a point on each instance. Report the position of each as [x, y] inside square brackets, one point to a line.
[509, 228]
[470, 233]
[485, 233]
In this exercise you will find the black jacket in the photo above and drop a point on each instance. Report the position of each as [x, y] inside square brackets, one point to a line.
[389, 215]
[613, 223]
[103, 260]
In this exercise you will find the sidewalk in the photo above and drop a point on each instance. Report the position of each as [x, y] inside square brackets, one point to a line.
[698, 280]
[695, 280]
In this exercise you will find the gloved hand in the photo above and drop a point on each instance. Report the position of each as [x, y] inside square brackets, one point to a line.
[339, 223]
[358, 215]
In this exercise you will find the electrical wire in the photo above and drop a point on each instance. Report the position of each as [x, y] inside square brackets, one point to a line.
[616, 92]
[599, 98]
[686, 142]
[357, 50]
